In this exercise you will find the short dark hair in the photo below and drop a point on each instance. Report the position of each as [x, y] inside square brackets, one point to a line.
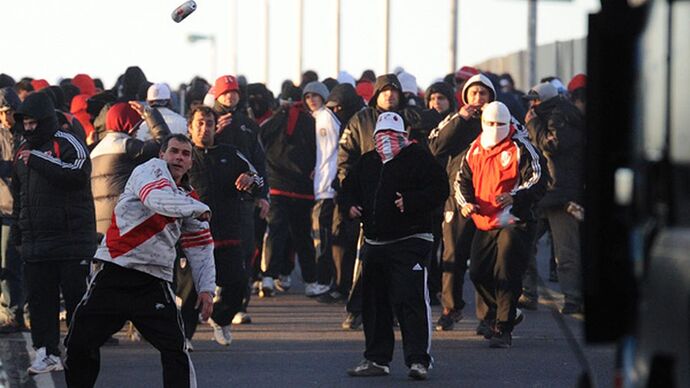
[176, 136]
[24, 85]
[203, 109]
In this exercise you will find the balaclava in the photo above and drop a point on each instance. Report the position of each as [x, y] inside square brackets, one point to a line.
[389, 136]
[498, 112]
[40, 107]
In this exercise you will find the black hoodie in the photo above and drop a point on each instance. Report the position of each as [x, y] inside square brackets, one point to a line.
[345, 96]
[53, 204]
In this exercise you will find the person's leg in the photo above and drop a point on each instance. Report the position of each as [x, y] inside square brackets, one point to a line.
[377, 314]
[300, 235]
[248, 241]
[322, 224]
[162, 328]
[482, 261]
[184, 289]
[345, 235]
[565, 234]
[277, 234]
[43, 293]
[231, 280]
[73, 278]
[12, 295]
[97, 316]
[434, 281]
[410, 297]
[530, 280]
[511, 260]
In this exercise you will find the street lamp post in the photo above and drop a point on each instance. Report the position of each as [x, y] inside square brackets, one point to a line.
[194, 38]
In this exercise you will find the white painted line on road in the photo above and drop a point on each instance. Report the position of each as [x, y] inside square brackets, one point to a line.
[44, 380]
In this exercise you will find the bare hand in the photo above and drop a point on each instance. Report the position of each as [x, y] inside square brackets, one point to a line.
[263, 206]
[24, 155]
[206, 216]
[223, 121]
[469, 209]
[504, 199]
[468, 111]
[244, 182]
[138, 106]
[529, 116]
[355, 211]
[205, 300]
[399, 202]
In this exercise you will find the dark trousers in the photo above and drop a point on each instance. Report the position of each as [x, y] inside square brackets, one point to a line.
[231, 285]
[12, 297]
[248, 247]
[394, 281]
[458, 232]
[289, 219]
[44, 282]
[322, 226]
[498, 260]
[345, 236]
[116, 295]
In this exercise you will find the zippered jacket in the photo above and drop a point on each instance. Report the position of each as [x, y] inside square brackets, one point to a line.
[150, 217]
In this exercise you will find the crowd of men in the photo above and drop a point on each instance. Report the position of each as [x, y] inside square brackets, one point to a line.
[384, 194]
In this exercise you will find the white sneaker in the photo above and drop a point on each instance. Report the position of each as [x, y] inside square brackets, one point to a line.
[188, 345]
[315, 289]
[266, 289]
[241, 318]
[283, 283]
[221, 334]
[45, 363]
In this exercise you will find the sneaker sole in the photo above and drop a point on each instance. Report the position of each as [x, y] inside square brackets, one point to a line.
[416, 375]
[34, 372]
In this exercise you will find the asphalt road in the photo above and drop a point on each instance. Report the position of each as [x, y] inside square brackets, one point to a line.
[296, 342]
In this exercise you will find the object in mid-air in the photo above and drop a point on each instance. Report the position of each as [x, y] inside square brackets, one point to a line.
[183, 11]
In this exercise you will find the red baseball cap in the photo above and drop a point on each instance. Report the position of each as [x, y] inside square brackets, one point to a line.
[578, 81]
[225, 84]
[466, 72]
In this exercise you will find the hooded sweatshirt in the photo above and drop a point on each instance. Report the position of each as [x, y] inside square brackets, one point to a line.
[53, 203]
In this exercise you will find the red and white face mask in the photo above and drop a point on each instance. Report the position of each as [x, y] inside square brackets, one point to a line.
[388, 144]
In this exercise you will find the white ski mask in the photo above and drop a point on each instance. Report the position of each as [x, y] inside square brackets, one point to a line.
[495, 112]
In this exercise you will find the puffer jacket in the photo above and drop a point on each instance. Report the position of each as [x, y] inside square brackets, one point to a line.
[53, 203]
[114, 159]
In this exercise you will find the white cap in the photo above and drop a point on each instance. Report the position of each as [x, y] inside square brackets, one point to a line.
[389, 121]
[158, 92]
[346, 78]
[408, 82]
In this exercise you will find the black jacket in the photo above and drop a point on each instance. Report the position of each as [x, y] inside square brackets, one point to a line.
[289, 138]
[243, 134]
[114, 159]
[53, 204]
[373, 185]
[449, 139]
[558, 131]
[213, 177]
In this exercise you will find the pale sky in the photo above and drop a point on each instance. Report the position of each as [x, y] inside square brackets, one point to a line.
[54, 39]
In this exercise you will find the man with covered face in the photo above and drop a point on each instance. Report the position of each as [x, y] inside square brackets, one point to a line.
[55, 227]
[394, 189]
[501, 179]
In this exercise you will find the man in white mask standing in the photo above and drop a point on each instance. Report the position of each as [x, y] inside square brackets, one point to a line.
[501, 179]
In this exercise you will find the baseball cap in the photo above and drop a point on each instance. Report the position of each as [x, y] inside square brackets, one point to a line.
[543, 91]
[225, 84]
[158, 92]
[578, 81]
[390, 121]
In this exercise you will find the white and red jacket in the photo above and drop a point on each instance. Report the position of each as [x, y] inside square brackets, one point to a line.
[152, 214]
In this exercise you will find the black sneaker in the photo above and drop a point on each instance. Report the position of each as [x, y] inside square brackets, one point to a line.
[485, 329]
[445, 323]
[501, 340]
[418, 371]
[352, 322]
[571, 308]
[527, 303]
[368, 368]
[332, 297]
